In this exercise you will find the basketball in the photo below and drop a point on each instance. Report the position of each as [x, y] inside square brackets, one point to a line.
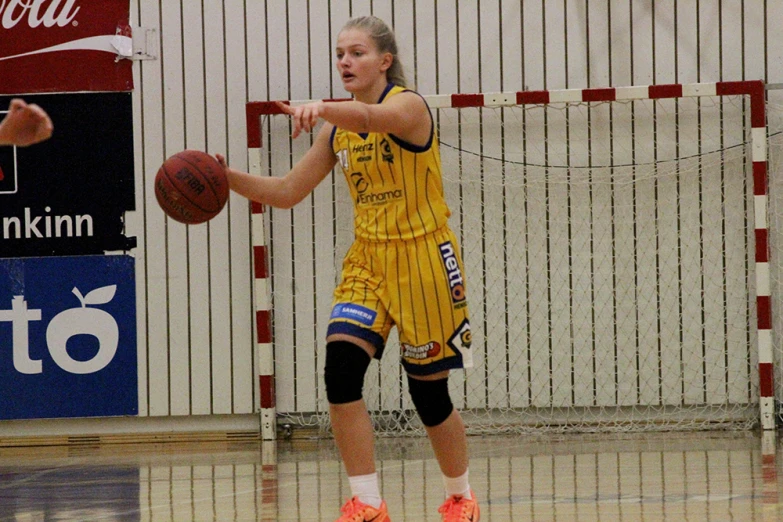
[191, 187]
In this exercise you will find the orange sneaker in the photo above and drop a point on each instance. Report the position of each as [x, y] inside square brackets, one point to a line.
[460, 509]
[355, 511]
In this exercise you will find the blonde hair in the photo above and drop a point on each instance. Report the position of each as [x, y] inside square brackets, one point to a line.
[385, 41]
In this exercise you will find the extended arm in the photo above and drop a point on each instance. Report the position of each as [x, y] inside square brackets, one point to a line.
[405, 115]
[287, 191]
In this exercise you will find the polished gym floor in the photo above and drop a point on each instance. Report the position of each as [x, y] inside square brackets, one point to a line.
[698, 476]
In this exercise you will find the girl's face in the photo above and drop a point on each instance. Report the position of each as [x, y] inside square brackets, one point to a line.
[361, 66]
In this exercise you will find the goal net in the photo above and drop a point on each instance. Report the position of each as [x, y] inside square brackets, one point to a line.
[611, 258]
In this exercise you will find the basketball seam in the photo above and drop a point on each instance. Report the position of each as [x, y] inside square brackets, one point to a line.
[195, 204]
[214, 192]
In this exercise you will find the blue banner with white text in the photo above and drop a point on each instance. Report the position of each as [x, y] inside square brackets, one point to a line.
[68, 337]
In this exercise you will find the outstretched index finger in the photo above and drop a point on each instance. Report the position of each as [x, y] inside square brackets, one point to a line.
[286, 108]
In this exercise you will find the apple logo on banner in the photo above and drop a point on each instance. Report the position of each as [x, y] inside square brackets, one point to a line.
[85, 321]
[63, 326]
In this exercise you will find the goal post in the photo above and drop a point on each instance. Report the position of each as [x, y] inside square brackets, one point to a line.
[617, 254]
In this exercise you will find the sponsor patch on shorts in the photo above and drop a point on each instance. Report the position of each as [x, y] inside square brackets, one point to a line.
[426, 351]
[460, 341]
[454, 274]
[354, 312]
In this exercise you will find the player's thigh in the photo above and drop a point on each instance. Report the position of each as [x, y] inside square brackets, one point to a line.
[360, 305]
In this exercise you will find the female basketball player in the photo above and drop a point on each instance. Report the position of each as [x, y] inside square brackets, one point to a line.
[24, 124]
[403, 270]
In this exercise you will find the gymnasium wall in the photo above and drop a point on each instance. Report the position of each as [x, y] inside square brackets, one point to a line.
[195, 308]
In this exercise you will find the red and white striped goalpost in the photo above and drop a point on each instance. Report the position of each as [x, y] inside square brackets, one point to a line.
[261, 294]
[755, 90]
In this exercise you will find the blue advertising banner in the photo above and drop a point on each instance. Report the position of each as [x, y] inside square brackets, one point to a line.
[68, 337]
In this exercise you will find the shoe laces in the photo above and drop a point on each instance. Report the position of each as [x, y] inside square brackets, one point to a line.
[353, 508]
[455, 508]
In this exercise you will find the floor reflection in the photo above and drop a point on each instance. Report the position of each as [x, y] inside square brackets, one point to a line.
[664, 476]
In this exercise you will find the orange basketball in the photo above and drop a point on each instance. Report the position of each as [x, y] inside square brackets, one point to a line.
[191, 187]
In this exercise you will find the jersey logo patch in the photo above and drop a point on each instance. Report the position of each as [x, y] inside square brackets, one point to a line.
[386, 152]
[354, 312]
[379, 198]
[342, 155]
[359, 182]
[460, 342]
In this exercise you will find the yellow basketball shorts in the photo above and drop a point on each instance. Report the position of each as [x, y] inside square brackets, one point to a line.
[416, 285]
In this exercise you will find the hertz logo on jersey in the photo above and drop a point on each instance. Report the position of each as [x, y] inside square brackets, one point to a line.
[367, 147]
[456, 283]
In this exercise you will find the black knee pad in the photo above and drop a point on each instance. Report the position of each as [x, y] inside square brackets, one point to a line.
[344, 372]
[431, 399]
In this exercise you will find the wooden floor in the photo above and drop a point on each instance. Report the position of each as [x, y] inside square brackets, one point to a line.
[675, 476]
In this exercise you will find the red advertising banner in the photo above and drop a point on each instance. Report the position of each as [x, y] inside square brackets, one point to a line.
[49, 46]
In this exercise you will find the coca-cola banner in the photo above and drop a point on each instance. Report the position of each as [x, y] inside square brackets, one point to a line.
[68, 195]
[64, 46]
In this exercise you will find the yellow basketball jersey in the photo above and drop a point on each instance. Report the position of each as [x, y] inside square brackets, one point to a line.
[404, 268]
[397, 188]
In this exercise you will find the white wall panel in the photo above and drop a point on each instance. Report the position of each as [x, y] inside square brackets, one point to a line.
[280, 233]
[598, 37]
[426, 79]
[149, 94]
[197, 334]
[216, 248]
[687, 43]
[240, 317]
[493, 358]
[182, 70]
[135, 222]
[620, 48]
[196, 319]
[302, 227]
[665, 42]
[708, 26]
